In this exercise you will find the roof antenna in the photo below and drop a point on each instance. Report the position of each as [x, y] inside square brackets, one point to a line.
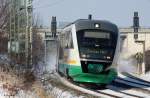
[90, 17]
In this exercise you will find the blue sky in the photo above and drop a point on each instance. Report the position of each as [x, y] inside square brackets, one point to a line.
[119, 12]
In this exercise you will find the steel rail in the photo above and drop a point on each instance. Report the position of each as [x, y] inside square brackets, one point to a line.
[121, 90]
[134, 77]
[132, 84]
[85, 90]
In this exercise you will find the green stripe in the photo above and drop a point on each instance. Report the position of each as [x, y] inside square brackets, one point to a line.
[77, 75]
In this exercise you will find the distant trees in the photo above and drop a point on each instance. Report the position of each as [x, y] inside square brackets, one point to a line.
[4, 24]
[37, 42]
[37, 47]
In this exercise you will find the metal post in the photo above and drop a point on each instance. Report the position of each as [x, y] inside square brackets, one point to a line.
[31, 40]
[18, 33]
[13, 28]
[143, 64]
[27, 40]
[10, 42]
[45, 52]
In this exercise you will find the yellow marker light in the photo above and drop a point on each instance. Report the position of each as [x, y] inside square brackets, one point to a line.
[73, 62]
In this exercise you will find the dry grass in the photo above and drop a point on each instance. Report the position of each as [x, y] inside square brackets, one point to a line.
[12, 83]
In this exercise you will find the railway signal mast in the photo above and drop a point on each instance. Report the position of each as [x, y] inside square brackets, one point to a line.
[20, 36]
[28, 45]
[141, 68]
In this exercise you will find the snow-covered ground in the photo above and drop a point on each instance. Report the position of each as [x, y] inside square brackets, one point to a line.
[55, 88]
[16, 86]
[145, 77]
[126, 65]
[52, 89]
[129, 65]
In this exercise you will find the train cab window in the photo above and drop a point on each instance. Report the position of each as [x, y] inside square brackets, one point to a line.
[95, 44]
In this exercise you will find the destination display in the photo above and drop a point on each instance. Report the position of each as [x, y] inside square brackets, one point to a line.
[91, 34]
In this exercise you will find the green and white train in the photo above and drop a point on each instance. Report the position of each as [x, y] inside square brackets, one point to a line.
[88, 51]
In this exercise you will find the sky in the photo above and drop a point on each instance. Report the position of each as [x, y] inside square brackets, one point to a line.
[119, 12]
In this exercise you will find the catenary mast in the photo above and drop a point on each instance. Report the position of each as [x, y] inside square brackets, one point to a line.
[20, 36]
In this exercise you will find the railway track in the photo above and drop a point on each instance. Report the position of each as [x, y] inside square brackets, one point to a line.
[85, 90]
[129, 90]
[119, 88]
[133, 77]
[131, 84]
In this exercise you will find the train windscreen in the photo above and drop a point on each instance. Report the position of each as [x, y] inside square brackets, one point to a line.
[96, 44]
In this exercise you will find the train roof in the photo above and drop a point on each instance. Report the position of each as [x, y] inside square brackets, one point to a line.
[90, 24]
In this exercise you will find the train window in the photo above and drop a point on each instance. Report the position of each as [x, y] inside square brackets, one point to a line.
[69, 40]
[62, 38]
[61, 53]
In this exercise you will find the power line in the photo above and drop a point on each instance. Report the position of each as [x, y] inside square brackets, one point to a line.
[49, 5]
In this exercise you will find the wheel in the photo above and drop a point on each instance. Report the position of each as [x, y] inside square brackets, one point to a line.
[101, 86]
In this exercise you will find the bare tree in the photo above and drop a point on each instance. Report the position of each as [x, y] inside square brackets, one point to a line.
[4, 21]
[38, 45]
[4, 14]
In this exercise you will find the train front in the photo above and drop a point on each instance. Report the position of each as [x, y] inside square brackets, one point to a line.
[97, 46]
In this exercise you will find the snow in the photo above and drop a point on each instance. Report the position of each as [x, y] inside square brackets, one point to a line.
[51, 56]
[4, 59]
[55, 88]
[126, 65]
[131, 79]
[10, 83]
[143, 95]
[21, 94]
[145, 76]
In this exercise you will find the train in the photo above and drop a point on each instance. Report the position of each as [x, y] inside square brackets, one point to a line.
[88, 51]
